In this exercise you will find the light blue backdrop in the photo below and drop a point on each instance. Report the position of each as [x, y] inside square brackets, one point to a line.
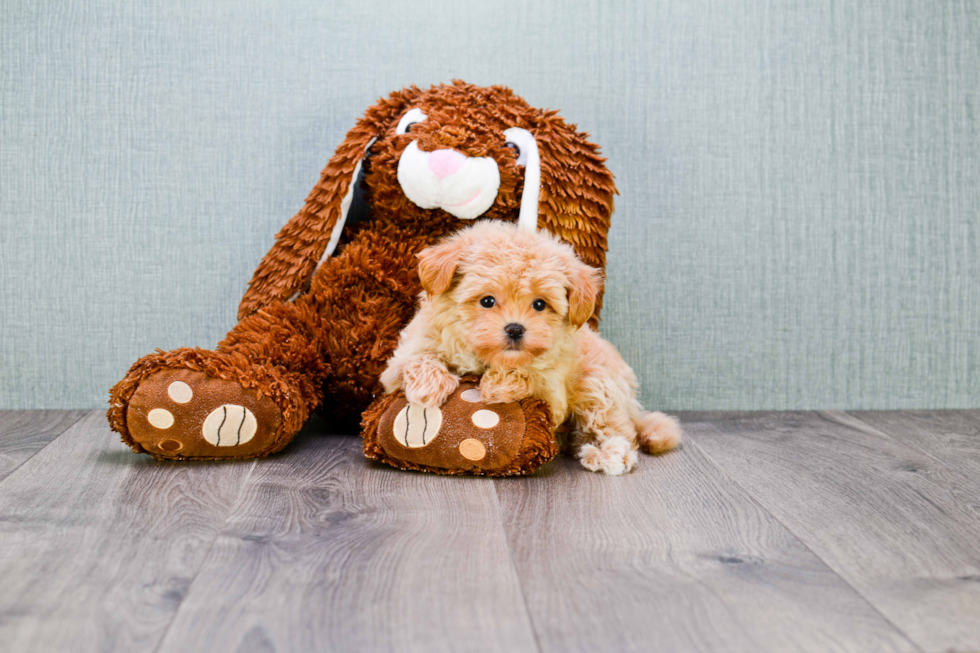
[798, 224]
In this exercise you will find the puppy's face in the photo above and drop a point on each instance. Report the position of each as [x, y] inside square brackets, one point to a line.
[513, 294]
[511, 316]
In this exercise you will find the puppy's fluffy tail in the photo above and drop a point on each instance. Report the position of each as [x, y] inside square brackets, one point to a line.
[657, 432]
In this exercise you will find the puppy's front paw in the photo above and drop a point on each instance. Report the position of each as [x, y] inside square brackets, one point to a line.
[504, 386]
[427, 382]
[614, 456]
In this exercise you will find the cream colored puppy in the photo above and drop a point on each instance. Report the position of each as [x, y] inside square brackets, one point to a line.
[512, 306]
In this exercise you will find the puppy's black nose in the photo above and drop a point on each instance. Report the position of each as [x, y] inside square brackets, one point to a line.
[514, 331]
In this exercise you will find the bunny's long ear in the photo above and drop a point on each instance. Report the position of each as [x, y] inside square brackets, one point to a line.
[313, 232]
[575, 202]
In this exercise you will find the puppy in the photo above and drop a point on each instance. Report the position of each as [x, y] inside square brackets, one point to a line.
[512, 306]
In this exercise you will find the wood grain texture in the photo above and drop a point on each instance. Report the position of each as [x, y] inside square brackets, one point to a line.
[900, 526]
[327, 551]
[766, 532]
[949, 436]
[25, 432]
[98, 545]
[674, 557]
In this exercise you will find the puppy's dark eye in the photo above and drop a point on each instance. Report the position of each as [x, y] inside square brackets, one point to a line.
[538, 305]
[488, 302]
[409, 126]
[513, 146]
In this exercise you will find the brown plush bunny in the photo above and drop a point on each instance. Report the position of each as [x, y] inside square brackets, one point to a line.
[324, 309]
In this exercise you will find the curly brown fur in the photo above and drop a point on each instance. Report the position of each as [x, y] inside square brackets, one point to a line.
[327, 345]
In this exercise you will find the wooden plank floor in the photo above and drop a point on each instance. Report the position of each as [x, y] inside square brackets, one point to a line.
[765, 532]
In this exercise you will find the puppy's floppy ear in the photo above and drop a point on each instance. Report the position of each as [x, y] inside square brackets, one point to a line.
[300, 244]
[437, 264]
[585, 284]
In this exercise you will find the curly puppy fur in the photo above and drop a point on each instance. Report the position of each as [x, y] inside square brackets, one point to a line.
[513, 306]
[316, 327]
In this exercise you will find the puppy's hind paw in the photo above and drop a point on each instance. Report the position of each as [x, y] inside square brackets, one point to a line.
[614, 456]
[590, 457]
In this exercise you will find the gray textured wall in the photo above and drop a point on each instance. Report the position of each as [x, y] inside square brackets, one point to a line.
[798, 225]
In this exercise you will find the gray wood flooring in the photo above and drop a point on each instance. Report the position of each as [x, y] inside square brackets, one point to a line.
[765, 532]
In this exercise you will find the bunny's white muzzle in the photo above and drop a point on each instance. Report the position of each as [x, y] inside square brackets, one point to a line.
[445, 179]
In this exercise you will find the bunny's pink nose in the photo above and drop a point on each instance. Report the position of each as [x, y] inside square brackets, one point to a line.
[443, 163]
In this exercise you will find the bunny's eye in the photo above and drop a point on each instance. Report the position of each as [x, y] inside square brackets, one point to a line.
[488, 302]
[412, 117]
[539, 305]
[522, 143]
